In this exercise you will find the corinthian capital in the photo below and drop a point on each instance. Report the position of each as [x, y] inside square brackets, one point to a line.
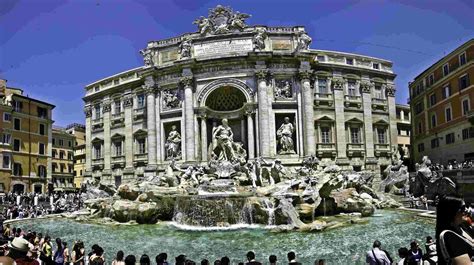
[186, 81]
[106, 106]
[390, 90]
[127, 101]
[366, 86]
[150, 85]
[337, 82]
[305, 74]
[262, 74]
[88, 111]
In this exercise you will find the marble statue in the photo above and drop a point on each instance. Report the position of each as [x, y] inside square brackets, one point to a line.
[221, 20]
[185, 49]
[237, 21]
[223, 136]
[147, 57]
[9, 100]
[304, 41]
[204, 25]
[259, 38]
[283, 89]
[285, 140]
[173, 144]
[170, 100]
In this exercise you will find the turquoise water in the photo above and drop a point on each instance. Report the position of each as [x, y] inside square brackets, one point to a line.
[346, 245]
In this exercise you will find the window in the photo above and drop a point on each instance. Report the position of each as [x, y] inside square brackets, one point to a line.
[97, 151]
[446, 91]
[432, 99]
[117, 107]
[6, 161]
[16, 145]
[63, 167]
[350, 61]
[118, 148]
[323, 86]
[446, 69]
[419, 107]
[381, 136]
[17, 106]
[69, 143]
[378, 93]
[54, 153]
[69, 168]
[41, 171]
[355, 135]
[54, 141]
[41, 148]
[42, 129]
[420, 127]
[69, 156]
[61, 142]
[465, 106]
[6, 138]
[17, 124]
[434, 143]
[463, 82]
[42, 112]
[375, 65]
[421, 147]
[55, 167]
[448, 114]
[431, 79]
[433, 120]
[468, 133]
[462, 59]
[141, 145]
[325, 135]
[61, 154]
[7, 117]
[351, 88]
[449, 138]
[97, 111]
[321, 58]
[17, 170]
[140, 101]
[97, 88]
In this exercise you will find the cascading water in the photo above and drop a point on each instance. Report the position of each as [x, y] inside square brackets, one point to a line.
[289, 211]
[270, 209]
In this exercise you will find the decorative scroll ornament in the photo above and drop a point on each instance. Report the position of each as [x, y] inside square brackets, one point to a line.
[186, 81]
[147, 57]
[390, 90]
[88, 111]
[304, 40]
[305, 74]
[221, 20]
[366, 86]
[127, 101]
[259, 38]
[106, 106]
[185, 49]
[337, 83]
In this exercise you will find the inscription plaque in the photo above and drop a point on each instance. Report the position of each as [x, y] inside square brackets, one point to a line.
[222, 47]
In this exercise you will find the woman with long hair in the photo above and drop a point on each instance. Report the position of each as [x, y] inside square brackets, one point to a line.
[119, 258]
[78, 253]
[59, 254]
[454, 244]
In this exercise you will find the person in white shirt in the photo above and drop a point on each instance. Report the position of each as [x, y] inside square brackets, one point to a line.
[376, 256]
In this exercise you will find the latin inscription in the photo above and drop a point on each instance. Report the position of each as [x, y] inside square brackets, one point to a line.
[222, 47]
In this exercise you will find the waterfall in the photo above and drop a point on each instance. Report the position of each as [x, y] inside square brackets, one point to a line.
[289, 211]
[270, 209]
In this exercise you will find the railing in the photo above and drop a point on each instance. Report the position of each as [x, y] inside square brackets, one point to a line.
[382, 146]
[118, 159]
[379, 101]
[139, 111]
[117, 116]
[97, 161]
[97, 121]
[322, 96]
[143, 156]
[352, 97]
[355, 146]
[326, 146]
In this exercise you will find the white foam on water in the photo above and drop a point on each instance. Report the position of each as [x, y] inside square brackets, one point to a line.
[216, 228]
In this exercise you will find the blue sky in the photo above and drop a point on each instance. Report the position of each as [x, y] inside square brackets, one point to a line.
[53, 48]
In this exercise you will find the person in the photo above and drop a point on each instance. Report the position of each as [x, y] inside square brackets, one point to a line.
[97, 257]
[78, 252]
[431, 255]
[453, 243]
[6, 232]
[321, 262]
[17, 251]
[119, 259]
[376, 256]
[161, 259]
[145, 260]
[225, 261]
[67, 258]
[403, 254]
[204, 262]
[180, 260]
[292, 258]
[59, 254]
[130, 260]
[47, 248]
[251, 259]
[272, 259]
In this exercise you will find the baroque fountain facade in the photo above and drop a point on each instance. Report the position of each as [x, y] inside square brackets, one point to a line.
[240, 124]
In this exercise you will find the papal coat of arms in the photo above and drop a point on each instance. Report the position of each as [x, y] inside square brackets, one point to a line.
[221, 20]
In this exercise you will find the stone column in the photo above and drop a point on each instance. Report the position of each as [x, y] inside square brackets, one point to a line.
[392, 112]
[189, 141]
[157, 125]
[128, 117]
[368, 127]
[203, 137]
[263, 119]
[250, 135]
[150, 89]
[309, 140]
[338, 88]
[402, 115]
[106, 112]
[88, 113]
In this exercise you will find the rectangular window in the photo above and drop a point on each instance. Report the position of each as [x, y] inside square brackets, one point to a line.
[446, 69]
[17, 124]
[140, 101]
[17, 170]
[97, 151]
[97, 111]
[42, 112]
[381, 135]
[325, 135]
[117, 107]
[118, 148]
[449, 138]
[16, 145]
[323, 86]
[434, 143]
[355, 135]
[446, 91]
[378, 93]
[69, 156]
[42, 149]
[7, 117]
[448, 114]
[419, 107]
[61, 142]
[468, 133]
[420, 127]
[54, 153]
[431, 79]
[351, 88]
[421, 147]
[433, 121]
[61, 154]
[17, 106]
[69, 143]
[6, 161]
[432, 99]
[42, 171]
[141, 145]
[350, 61]
[462, 59]
[42, 129]
[6, 138]
[463, 82]
[465, 106]
[375, 66]
[321, 58]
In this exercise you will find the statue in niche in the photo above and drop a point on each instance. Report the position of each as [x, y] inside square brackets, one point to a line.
[283, 89]
[147, 57]
[185, 49]
[223, 137]
[259, 38]
[304, 40]
[285, 140]
[173, 144]
[170, 99]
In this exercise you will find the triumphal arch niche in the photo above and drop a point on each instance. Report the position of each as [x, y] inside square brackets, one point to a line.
[235, 92]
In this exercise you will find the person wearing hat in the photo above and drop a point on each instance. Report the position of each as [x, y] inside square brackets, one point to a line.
[18, 250]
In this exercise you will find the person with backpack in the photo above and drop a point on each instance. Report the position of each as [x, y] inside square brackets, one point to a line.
[377, 256]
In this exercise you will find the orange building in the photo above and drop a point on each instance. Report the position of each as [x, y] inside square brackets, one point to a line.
[441, 102]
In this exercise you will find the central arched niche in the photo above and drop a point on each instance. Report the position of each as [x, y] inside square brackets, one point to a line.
[226, 98]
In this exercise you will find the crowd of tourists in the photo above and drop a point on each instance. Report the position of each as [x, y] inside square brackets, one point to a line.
[468, 164]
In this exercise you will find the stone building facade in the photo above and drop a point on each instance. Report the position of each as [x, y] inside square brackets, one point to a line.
[281, 99]
[404, 130]
[62, 160]
[25, 142]
[79, 133]
[441, 102]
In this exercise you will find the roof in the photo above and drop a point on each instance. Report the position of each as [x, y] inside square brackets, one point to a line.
[35, 100]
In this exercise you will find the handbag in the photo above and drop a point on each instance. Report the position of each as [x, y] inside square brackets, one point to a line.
[444, 250]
